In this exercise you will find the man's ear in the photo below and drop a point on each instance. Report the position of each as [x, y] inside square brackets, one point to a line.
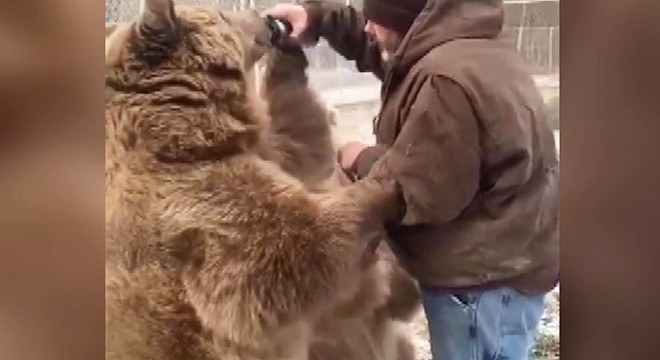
[157, 28]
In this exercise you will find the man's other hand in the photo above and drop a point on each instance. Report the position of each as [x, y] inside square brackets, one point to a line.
[348, 155]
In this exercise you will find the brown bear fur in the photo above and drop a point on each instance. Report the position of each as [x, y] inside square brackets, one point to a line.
[299, 128]
[387, 294]
[212, 250]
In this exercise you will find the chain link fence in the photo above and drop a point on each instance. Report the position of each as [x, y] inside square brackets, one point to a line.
[532, 26]
[126, 10]
[330, 70]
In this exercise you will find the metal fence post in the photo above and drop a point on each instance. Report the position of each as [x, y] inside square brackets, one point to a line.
[550, 48]
[521, 26]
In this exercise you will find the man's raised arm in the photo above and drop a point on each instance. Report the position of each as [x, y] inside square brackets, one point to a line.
[342, 26]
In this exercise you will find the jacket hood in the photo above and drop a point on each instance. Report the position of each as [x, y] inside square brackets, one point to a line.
[441, 21]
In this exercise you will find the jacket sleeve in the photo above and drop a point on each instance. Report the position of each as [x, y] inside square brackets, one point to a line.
[435, 159]
[366, 159]
[343, 27]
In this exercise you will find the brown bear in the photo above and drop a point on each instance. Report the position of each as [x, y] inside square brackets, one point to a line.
[214, 251]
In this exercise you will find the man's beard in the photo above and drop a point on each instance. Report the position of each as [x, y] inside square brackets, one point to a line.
[388, 48]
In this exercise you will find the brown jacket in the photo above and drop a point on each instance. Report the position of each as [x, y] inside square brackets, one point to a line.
[463, 132]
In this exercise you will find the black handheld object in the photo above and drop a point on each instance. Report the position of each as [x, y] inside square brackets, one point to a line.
[281, 29]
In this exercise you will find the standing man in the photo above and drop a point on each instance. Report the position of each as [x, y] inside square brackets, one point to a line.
[462, 131]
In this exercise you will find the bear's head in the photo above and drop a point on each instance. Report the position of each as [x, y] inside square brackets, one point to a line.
[177, 81]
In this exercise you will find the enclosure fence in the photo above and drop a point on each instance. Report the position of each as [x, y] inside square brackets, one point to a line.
[532, 26]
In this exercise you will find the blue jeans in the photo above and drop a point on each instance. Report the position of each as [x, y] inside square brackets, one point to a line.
[486, 325]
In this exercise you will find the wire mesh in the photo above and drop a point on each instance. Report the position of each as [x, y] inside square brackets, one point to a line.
[532, 27]
[125, 10]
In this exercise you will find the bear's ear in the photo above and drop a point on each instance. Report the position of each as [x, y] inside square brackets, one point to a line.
[158, 16]
[157, 29]
[109, 29]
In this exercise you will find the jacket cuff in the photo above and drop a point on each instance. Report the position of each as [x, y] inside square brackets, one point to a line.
[315, 11]
[366, 160]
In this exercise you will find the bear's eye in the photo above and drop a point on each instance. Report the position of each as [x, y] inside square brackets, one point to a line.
[223, 71]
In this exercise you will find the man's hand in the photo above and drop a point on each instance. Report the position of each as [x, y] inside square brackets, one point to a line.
[293, 13]
[348, 154]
